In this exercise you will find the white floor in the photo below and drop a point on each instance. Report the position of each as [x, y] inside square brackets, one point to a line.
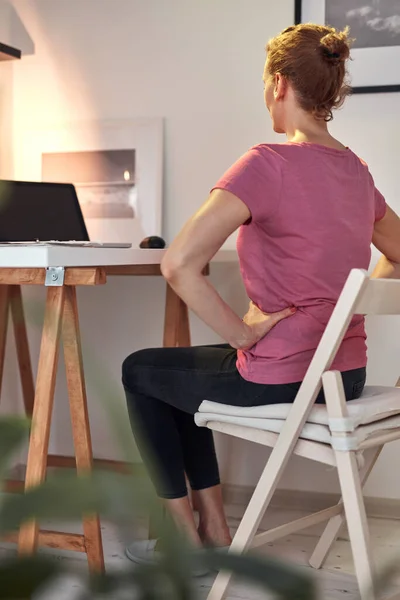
[335, 581]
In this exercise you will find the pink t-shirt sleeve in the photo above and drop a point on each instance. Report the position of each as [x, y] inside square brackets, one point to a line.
[256, 178]
[380, 205]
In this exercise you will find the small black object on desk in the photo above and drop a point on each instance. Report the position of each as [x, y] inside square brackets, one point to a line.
[153, 241]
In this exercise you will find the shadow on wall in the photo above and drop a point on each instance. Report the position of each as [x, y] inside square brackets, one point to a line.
[13, 30]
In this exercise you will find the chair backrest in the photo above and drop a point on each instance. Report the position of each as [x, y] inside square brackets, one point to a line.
[380, 297]
[360, 295]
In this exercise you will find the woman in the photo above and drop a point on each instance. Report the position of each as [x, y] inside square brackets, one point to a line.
[307, 211]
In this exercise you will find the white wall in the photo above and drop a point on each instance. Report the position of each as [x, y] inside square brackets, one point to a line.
[198, 65]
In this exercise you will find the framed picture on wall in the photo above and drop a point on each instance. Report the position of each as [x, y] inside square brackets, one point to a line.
[116, 167]
[375, 26]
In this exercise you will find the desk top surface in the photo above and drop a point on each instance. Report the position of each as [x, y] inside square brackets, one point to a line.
[58, 256]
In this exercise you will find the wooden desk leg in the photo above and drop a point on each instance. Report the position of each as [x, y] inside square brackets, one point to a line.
[176, 321]
[4, 304]
[80, 419]
[43, 406]
[22, 346]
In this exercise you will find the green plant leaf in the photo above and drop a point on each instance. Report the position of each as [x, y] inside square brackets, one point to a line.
[384, 579]
[154, 582]
[13, 432]
[66, 496]
[21, 577]
[286, 581]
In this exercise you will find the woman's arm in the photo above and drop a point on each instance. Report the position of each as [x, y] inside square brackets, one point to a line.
[184, 262]
[386, 239]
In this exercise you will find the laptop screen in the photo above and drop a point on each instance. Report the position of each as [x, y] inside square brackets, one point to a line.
[31, 211]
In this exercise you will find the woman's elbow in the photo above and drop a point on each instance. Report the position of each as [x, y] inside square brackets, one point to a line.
[175, 267]
[171, 267]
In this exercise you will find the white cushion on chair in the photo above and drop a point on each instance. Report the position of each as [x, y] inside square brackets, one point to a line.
[376, 403]
[374, 412]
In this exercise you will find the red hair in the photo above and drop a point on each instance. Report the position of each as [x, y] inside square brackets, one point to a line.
[313, 59]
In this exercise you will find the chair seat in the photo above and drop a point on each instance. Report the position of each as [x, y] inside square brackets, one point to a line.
[377, 410]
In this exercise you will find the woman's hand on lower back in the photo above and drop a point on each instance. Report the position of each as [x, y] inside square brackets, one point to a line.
[260, 323]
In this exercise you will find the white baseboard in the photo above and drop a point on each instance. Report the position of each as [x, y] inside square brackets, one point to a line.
[384, 508]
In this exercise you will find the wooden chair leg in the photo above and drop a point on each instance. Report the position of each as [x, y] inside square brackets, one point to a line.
[176, 322]
[4, 305]
[80, 419]
[252, 517]
[265, 489]
[43, 406]
[327, 539]
[334, 524]
[356, 521]
[22, 346]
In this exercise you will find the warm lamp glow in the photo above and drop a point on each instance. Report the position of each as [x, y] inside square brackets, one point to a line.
[127, 175]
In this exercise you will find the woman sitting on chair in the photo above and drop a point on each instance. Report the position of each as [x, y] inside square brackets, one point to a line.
[307, 211]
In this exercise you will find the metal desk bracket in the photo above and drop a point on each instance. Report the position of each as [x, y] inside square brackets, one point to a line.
[54, 276]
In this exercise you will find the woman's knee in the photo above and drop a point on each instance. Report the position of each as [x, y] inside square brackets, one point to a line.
[133, 364]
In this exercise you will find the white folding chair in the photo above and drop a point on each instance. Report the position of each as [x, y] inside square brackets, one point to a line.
[348, 436]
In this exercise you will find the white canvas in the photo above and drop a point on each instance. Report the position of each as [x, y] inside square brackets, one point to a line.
[143, 216]
[369, 66]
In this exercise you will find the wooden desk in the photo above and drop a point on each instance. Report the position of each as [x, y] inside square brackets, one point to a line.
[62, 270]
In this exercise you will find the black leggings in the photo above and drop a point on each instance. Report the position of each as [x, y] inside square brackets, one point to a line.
[164, 389]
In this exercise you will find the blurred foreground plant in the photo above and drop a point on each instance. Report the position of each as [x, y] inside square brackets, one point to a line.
[118, 498]
[121, 499]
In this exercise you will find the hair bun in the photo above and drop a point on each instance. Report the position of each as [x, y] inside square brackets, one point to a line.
[335, 46]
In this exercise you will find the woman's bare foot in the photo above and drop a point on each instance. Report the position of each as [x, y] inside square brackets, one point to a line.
[182, 514]
[213, 529]
[215, 537]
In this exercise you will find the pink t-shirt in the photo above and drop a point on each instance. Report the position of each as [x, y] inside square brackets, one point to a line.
[313, 210]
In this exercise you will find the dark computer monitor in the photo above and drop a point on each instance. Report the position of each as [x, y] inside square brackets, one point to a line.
[31, 211]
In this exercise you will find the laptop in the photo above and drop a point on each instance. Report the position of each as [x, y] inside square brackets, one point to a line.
[44, 212]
